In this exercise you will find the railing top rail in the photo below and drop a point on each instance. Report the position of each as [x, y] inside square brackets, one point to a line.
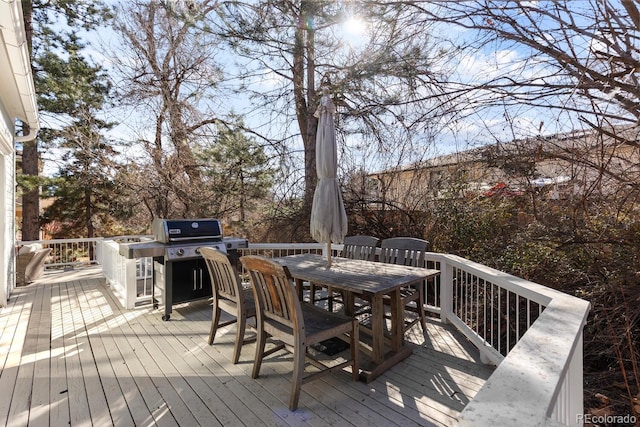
[59, 241]
[286, 246]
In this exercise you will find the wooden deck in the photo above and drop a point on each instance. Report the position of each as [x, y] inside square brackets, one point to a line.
[70, 355]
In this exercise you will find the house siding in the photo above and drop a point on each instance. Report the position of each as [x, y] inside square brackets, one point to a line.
[7, 206]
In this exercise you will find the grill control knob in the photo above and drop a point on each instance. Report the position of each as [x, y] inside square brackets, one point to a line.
[198, 250]
[180, 252]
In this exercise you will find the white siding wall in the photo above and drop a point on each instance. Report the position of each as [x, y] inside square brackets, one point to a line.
[7, 206]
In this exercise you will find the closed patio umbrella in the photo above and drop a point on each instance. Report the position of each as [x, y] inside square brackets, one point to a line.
[328, 217]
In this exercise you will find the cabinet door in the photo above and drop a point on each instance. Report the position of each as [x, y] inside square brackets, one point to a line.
[190, 280]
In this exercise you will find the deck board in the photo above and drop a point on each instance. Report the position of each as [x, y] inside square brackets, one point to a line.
[58, 389]
[145, 394]
[10, 403]
[19, 410]
[39, 411]
[70, 354]
[219, 391]
[117, 404]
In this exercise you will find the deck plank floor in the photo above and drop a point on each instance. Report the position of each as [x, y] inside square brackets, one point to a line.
[71, 355]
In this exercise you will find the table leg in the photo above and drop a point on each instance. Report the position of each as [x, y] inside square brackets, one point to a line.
[300, 289]
[397, 321]
[377, 328]
[399, 352]
[349, 303]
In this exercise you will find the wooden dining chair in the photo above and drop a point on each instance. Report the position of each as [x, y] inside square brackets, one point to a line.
[228, 295]
[296, 324]
[360, 247]
[402, 251]
[355, 247]
[407, 251]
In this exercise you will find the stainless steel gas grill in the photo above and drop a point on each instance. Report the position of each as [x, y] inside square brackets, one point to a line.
[179, 271]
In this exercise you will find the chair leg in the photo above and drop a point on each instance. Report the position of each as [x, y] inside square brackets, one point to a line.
[312, 293]
[240, 330]
[423, 322]
[298, 374]
[215, 318]
[260, 344]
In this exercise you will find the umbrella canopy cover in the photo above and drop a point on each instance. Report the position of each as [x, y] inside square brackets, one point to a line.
[328, 216]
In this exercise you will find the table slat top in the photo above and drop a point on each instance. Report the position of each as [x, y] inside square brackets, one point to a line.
[363, 277]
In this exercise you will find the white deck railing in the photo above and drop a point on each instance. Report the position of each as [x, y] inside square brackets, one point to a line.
[69, 252]
[120, 273]
[533, 334]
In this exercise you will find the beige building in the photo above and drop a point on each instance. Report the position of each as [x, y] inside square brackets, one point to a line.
[557, 167]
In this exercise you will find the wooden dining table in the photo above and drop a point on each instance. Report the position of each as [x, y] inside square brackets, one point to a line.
[375, 280]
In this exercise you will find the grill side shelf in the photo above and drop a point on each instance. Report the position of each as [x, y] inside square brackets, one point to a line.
[141, 250]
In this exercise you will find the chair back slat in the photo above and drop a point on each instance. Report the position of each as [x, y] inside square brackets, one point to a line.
[404, 251]
[224, 277]
[360, 247]
[274, 290]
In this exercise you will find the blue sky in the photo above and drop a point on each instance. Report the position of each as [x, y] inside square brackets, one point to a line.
[473, 129]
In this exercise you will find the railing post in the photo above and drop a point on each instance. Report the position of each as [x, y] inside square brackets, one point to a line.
[98, 248]
[120, 274]
[576, 404]
[446, 290]
[130, 283]
[569, 407]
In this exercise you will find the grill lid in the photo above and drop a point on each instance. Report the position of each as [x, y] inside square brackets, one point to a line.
[186, 230]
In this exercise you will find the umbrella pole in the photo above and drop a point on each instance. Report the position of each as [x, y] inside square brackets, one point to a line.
[329, 254]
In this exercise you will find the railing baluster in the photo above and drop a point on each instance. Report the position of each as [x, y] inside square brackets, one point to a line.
[499, 320]
[484, 307]
[466, 296]
[517, 318]
[508, 326]
[492, 310]
[478, 305]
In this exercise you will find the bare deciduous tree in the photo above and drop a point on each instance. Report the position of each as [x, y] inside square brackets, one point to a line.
[574, 63]
[168, 74]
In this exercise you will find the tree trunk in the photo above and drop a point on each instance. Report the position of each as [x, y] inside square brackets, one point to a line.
[88, 214]
[30, 158]
[31, 198]
[305, 97]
